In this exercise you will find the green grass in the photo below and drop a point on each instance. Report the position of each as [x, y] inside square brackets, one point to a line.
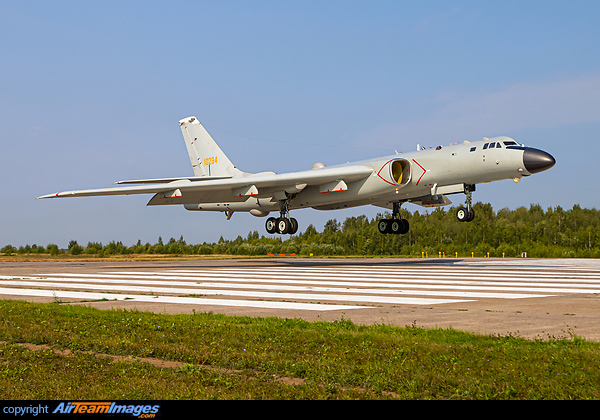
[249, 356]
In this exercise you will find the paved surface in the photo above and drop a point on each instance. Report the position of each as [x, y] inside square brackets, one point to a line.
[524, 297]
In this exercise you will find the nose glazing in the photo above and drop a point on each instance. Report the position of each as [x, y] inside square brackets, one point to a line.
[536, 160]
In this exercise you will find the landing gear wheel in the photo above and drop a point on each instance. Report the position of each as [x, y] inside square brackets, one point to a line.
[293, 227]
[283, 225]
[383, 225]
[462, 214]
[471, 215]
[405, 227]
[396, 226]
[271, 225]
[465, 215]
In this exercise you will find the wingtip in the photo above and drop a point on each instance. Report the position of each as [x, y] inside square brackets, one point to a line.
[47, 196]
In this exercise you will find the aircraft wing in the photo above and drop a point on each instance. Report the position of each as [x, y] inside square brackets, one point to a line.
[165, 180]
[191, 190]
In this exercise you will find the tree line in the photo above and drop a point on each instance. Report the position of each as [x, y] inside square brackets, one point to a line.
[554, 232]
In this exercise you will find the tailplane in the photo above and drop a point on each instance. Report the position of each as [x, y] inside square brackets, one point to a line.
[208, 160]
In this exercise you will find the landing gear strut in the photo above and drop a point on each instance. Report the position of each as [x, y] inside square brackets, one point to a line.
[284, 224]
[395, 225]
[467, 214]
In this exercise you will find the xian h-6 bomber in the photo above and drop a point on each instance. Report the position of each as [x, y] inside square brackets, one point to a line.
[424, 177]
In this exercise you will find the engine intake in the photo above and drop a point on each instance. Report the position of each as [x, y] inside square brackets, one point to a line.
[395, 172]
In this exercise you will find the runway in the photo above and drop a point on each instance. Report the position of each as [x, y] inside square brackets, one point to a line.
[440, 292]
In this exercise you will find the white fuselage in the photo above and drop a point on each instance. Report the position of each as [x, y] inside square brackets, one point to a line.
[402, 177]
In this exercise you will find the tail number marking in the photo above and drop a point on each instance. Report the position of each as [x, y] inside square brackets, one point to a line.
[210, 160]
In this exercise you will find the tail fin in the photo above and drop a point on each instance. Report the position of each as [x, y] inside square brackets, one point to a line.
[206, 156]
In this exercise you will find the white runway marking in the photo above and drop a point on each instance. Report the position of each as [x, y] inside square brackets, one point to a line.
[201, 288]
[320, 288]
[227, 292]
[61, 294]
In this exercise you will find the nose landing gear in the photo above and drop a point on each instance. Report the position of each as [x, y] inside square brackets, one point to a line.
[467, 214]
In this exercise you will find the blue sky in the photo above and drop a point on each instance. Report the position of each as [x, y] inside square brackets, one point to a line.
[91, 93]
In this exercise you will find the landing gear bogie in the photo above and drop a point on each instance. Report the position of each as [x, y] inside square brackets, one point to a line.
[393, 226]
[281, 225]
[396, 225]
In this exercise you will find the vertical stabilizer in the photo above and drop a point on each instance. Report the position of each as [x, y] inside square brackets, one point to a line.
[206, 156]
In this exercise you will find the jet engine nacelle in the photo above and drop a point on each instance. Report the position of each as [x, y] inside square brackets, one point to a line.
[388, 175]
[395, 172]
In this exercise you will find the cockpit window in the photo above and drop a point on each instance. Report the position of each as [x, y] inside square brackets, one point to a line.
[492, 145]
[498, 145]
[473, 149]
[510, 143]
[485, 146]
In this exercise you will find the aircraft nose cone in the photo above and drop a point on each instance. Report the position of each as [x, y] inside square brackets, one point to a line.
[537, 160]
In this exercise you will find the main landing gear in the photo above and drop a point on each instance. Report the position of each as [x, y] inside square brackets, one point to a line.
[284, 224]
[467, 214]
[395, 225]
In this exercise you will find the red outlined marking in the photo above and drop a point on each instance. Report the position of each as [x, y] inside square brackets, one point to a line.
[378, 173]
[424, 171]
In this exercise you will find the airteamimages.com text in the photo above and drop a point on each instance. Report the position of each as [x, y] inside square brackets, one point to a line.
[81, 407]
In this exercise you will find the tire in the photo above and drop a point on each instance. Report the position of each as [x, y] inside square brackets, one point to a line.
[283, 225]
[462, 214]
[471, 215]
[405, 227]
[396, 226]
[383, 225]
[271, 225]
[294, 226]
